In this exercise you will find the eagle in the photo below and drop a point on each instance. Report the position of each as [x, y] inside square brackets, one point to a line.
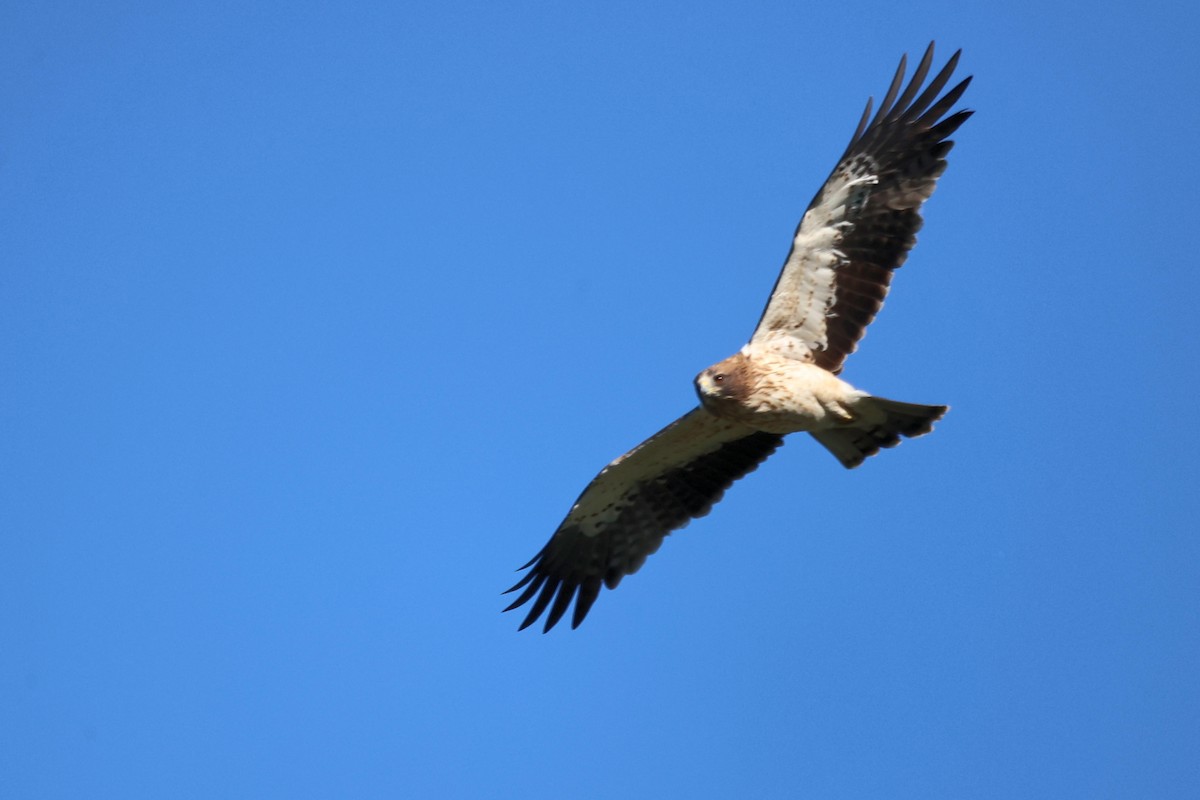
[857, 230]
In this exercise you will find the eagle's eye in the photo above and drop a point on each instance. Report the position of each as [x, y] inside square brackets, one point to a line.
[719, 377]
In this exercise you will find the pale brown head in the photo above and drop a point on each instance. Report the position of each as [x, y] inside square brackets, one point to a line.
[725, 383]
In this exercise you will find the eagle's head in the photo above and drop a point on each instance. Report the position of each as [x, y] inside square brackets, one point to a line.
[725, 383]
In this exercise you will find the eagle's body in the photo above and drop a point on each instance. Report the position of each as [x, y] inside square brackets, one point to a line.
[776, 394]
[856, 232]
[772, 393]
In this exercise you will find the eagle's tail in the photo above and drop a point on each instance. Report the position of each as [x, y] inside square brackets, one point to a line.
[852, 445]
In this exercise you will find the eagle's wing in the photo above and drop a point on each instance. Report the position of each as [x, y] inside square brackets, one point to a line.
[863, 222]
[624, 513]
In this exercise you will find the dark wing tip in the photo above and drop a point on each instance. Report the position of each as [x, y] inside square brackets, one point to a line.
[551, 592]
[547, 590]
[900, 108]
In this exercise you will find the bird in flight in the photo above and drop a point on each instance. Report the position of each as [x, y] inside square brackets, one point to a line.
[855, 232]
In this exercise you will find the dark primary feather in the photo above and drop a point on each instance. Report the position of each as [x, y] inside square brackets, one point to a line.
[905, 146]
[573, 565]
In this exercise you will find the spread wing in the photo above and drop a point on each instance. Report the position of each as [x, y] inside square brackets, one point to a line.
[624, 513]
[861, 225]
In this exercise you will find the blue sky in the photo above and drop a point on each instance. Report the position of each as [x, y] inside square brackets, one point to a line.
[317, 317]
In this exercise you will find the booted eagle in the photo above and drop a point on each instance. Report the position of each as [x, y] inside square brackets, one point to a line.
[857, 230]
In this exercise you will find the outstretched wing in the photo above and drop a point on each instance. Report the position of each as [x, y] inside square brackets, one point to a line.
[861, 225]
[624, 513]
